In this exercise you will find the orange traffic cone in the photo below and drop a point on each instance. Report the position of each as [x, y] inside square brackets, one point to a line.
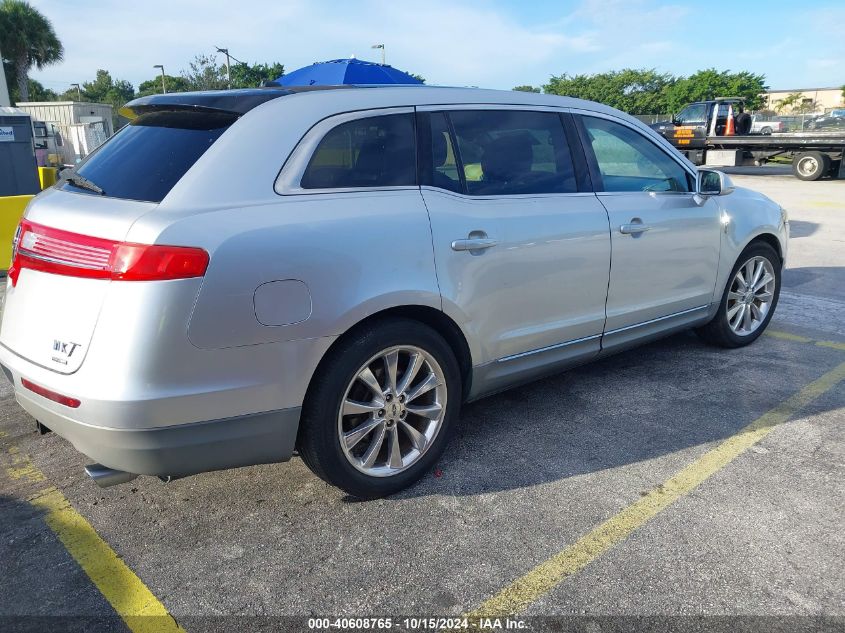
[730, 127]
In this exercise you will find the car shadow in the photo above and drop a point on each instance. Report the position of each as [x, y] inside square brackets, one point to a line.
[633, 407]
[43, 589]
[765, 170]
[815, 281]
[799, 229]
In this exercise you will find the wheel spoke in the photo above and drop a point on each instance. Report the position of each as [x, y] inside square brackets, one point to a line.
[732, 311]
[411, 371]
[739, 316]
[353, 407]
[749, 271]
[391, 361]
[430, 411]
[369, 458]
[746, 320]
[353, 437]
[763, 282]
[740, 278]
[369, 379]
[734, 296]
[755, 312]
[425, 386]
[394, 459]
[418, 439]
[763, 296]
[759, 268]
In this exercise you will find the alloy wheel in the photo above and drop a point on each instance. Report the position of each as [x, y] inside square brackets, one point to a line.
[750, 296]
[392, 410]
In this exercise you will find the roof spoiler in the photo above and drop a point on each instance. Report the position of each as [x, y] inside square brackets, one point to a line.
[230, 101]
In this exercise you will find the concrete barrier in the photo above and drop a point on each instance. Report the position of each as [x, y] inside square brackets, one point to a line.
[11, 210]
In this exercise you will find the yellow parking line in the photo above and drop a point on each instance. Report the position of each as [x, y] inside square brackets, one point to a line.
[128, 595]
[786, 336]
[833, 344]
[536, 583]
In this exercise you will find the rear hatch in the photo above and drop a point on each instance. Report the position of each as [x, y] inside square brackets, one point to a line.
[70, 245]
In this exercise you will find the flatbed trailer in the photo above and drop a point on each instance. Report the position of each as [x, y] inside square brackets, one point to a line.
[711, 141]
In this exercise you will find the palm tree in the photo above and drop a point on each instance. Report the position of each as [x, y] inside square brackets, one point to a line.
[27, 39]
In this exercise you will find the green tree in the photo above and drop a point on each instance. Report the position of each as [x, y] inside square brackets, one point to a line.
[27, 39]
[419, 77]
[153, 86]
[526, 88]
[711, 83]
[103, 89]
[251, 75]
[37, 92]
[204, 74]
[634, 91]
[789, 101]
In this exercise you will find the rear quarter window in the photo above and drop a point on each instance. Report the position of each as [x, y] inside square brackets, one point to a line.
[146, 158]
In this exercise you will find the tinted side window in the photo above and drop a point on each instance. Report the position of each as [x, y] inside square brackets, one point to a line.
[628, 161]
[513, 152]
[692, 114]
[373, 152]
[145, 159]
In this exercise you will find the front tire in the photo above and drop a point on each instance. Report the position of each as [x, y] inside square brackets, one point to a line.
[379, 412]
[749, 299]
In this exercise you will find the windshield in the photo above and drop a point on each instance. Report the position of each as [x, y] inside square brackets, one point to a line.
[145, 159]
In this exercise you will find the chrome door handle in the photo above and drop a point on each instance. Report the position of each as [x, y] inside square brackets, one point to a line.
[633, 229]
[474, 244]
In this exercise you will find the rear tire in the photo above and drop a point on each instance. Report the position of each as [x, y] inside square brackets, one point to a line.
[351, 426]
[729, 328]
[766, 131]
[810, 165]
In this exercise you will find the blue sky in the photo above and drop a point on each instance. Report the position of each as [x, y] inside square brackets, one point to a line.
[494, 44]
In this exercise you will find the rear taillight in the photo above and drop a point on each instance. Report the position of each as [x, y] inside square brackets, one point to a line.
[61, 252]
[67, 401]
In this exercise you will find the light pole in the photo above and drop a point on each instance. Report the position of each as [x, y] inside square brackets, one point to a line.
[163, 87]
[381, 46]
[78, 91]
[225, 51]
[4, 89]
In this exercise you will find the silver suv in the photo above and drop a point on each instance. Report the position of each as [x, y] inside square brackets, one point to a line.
[239, 275]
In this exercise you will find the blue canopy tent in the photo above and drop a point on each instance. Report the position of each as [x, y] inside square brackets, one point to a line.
[345, 71]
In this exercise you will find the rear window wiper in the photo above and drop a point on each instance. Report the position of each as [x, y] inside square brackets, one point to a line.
[82, 182]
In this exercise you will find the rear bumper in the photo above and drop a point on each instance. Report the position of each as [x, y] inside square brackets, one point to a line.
[183, 449]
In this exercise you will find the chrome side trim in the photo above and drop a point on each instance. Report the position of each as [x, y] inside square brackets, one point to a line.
[547, 349]
[657, 320]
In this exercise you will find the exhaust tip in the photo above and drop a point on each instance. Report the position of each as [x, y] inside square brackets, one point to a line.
[105, 477]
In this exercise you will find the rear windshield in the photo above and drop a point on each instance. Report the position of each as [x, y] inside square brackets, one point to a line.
[145, 159]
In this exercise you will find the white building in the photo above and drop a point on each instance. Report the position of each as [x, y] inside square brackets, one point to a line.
[73, 129]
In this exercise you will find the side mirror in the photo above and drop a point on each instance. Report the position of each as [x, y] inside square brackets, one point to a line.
[711, 182]
[675, 120]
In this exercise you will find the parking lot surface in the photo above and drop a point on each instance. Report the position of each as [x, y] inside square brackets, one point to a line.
[672, 481]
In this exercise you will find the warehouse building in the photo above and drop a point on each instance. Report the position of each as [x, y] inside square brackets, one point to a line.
[67, 131]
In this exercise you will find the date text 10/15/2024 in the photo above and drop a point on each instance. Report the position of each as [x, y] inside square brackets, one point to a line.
[415, 624]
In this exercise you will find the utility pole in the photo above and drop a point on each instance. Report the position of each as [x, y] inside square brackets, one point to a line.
[5, 101]
[225, 51]
[163, 87]
[383, 57]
